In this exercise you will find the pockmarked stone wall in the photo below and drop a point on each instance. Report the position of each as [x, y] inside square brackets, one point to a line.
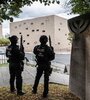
[79, 82]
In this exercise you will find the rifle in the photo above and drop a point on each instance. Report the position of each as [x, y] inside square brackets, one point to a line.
[50, 44]
[22, 50]
[50, 70]
[21, 44]
[50, 41]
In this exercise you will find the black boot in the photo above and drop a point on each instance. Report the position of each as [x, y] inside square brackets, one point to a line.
[20, 93]
[45, 95]
[34, 91]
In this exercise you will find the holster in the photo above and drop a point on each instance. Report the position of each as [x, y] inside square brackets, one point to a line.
[22, 65]
[50, 71]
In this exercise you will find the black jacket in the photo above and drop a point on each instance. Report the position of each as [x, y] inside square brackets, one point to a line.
[44, 54]
[14, 54]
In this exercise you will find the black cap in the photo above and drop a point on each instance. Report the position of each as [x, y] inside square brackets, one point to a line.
[13, 39]
[43, 39]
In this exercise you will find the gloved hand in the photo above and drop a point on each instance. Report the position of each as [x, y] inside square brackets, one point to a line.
[50, 71]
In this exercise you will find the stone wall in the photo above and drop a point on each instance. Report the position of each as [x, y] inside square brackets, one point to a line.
[80, 56]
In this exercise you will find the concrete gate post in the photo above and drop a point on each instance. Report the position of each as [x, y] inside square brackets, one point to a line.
[79, 82]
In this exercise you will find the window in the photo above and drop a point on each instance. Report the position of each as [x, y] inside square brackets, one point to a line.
[20, 25]
[27, 43]
[15, 26]
[58, 43]
[26, 28]
[37, 30]
[60, 23]
[33, 30]
[20, 33]
[27, 34]
[59, 29]
[43, 30]
[31, 23]
[24, 23]
[23, 40]
[42, 23]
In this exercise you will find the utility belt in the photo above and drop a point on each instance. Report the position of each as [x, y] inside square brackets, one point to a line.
[47, 65]
[43, 63]
[19, 65]
[13, 61]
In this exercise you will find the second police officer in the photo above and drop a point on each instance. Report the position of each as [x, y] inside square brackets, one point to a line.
[44, 54]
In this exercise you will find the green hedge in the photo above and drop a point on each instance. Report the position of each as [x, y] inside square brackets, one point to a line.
[4, 41]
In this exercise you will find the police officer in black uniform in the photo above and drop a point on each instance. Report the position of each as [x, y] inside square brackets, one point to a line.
[15, 57]
[44, 54]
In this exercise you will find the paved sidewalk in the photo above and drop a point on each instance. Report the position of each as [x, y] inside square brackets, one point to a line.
[29, 76]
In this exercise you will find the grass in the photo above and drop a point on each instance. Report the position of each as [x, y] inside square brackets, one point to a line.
[56, 92]
[3, 65]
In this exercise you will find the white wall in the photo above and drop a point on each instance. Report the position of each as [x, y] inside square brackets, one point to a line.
[61, 34]
[32, 29]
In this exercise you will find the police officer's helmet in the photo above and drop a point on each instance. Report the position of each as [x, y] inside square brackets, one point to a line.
[13, 39]
[43, 39]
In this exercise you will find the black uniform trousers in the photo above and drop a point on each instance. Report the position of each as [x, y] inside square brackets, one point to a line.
[42, 68]
[15, 73]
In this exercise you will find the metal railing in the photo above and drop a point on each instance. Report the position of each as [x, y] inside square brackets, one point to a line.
[57, 66]
[3, 58]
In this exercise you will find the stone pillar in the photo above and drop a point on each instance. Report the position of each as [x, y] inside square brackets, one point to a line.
[80, 56]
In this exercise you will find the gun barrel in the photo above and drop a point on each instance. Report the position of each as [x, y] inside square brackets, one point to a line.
[50, 41]
[21, 44]
[21, 40]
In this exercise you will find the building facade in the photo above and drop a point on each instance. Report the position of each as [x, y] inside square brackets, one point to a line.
[0, 30]
[32, 29]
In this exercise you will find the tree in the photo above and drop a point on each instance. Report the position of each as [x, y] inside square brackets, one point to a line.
[70, 37]
[79, 6]
[10, 8]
